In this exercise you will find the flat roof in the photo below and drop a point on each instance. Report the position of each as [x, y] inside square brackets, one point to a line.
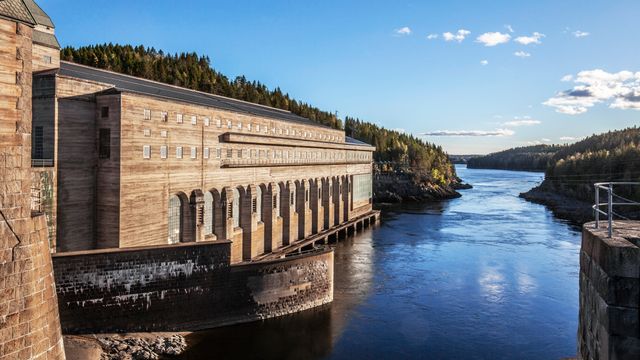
[127, 83]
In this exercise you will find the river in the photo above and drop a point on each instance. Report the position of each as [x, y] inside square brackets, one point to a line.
[485, 276]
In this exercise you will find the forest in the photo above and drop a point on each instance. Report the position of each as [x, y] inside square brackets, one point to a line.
[195, 72]
[527, 158]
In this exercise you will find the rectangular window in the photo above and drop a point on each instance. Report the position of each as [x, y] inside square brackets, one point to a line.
[146, 151]
[218, 122]
[104, 144]
[229, 153]
[179, 118]
[239, 153]
[257, 127]
[163, 133]
[147, 132]
[206, 153]
[229, 124]
[249, 126]
[163, 152]
[165, 116]
[218, 153]
[194, 120]
[194, 152]
[240, 125]
[104, 112]
[206, 121]
[46, 59]
[147, 114]
[38, 142]
[178, 152]
[254, 205]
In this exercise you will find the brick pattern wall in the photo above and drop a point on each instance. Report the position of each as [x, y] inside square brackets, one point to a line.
[609, 322]
[183, 287]
[29, 324]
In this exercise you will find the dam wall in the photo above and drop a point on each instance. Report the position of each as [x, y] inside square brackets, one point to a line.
[183, 287]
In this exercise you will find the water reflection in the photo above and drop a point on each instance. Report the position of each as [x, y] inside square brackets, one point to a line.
[486, 276]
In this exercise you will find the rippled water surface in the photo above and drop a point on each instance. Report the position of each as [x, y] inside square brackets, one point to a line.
[485, 276]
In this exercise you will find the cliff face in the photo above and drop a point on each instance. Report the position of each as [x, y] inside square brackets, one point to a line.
[399, 186]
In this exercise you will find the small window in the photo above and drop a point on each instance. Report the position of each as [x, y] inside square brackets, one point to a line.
[146, 151]
[229, 124]
[206, 121]
[104, 146]
[229, 153]
[179, 118]
[239, 153]
[163, 133]
[46, 59]
[165, 116]
[163, 152]
[257, 127]
[194, 152]
[147, 114]
[206, 153]
[218, 153]
[218, 122]
[306, 195]
[240, 125]
[292, 197]
[147, 132]
[254, 205]
[178, 152]
[249, 126]
[104, 112]
[194, 120]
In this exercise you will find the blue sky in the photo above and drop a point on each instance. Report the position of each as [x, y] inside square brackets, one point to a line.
[374, 60]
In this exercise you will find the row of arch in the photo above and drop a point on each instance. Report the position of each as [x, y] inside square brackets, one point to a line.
[260, 218]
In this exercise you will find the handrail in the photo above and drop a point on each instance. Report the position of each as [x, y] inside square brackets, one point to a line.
[608, 186]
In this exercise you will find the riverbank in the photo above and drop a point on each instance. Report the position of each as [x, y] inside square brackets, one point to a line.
[398, 187]
[155, 345]
[564, 207]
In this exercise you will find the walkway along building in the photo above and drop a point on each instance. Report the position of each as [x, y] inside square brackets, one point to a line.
[141, 163]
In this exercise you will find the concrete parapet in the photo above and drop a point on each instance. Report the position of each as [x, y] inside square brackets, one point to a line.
[609, 324]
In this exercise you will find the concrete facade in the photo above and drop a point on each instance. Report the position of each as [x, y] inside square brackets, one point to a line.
[609, 323]
[121, 156]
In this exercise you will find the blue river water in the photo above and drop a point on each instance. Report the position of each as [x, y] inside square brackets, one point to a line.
[485, 276]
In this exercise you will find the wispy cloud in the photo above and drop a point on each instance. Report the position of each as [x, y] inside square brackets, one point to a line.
[567, 78]
[403, 31]
[484, 62]
[567, 138]
[539, 142]
[522, 122]
[493, 38]
[509, 28]
[522, 54]
[620, 90]
[580, 34]
[533, 39]
[432, 36]
[459, 36]
[470, 133]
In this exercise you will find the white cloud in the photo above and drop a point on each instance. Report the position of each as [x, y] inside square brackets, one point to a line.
[432, 36]
[509, 28]
[568, 138]
[459, 36]
[484, 62]
[539, 142]
[497, 132]
[403, 31]
[493, 38]
[533, 39]
[621, 90]
[580, 34]
[545, 140]
[522, 54]
[522, 122]
[567, 78]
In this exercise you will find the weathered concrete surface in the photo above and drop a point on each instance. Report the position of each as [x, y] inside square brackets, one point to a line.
[609, 324]
[183, 287]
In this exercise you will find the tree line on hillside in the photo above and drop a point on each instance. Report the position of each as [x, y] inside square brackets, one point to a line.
[195, 72]
[526, 158]
[612, 156]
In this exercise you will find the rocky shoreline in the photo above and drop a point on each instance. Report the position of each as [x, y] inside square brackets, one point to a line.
[402, 187]
[139, 346]
[564, 207]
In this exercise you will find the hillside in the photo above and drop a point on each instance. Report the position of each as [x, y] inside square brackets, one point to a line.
[612, 156]
[427, 167]
[527, 158]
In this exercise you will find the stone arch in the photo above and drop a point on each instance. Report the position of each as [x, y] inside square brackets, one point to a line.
[179, 219]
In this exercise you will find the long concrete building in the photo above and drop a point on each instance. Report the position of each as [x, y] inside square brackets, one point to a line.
[133, 162]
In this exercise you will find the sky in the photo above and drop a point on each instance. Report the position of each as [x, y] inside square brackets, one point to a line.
[472, 76]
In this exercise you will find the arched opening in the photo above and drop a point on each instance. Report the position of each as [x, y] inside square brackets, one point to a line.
[208, 217]
[175, 220]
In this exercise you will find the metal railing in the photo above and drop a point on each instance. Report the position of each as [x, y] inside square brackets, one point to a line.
[611, 195]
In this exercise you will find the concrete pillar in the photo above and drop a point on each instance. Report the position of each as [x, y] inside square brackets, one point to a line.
[304, 211]
[326, 199]
[289, 214]
[346, 197]
[228, 229]
[249, 223]
[315, 189]
[196, 222]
